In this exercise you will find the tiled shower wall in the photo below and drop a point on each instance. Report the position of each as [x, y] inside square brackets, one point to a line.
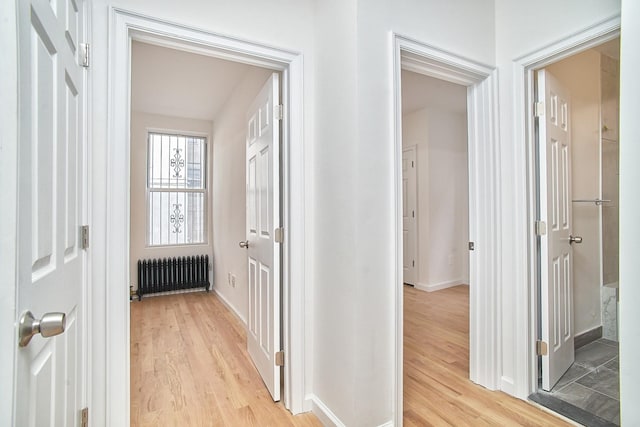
[610, 79]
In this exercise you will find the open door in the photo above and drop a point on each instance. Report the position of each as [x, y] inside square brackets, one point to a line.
[50, 379]
[409, 220]
[556, 304]
[263, 220]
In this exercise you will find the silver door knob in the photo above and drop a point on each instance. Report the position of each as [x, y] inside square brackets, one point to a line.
[575, 239]
[50, 325]
[244, 244]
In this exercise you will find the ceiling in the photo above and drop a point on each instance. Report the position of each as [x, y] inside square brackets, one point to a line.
[420, 91]
[181, 84]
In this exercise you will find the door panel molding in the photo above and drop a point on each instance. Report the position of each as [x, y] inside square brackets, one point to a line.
[484, 204]
[263, 251]
[113, 397]
[410, 214]
[556, 282]
[50, 372]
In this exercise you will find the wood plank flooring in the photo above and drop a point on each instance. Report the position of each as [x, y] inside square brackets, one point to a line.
[437, 391]
[189, 367]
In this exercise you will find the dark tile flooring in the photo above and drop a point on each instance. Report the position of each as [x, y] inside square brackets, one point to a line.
[592, 382]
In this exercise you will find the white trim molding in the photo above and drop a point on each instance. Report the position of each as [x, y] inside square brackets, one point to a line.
[484, 204]
[9, 135]
[525, 266]
[230, 306]
[124, 26]
[322, 411]
[441, 285]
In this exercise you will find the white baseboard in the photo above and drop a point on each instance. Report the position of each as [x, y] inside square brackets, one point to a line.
[442, 285]
[324, 414]
[230, 306]
[507, 385]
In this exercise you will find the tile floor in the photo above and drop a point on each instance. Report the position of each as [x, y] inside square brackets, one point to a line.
[592, 382]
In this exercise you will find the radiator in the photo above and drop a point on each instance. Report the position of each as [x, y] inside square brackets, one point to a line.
[173, 274]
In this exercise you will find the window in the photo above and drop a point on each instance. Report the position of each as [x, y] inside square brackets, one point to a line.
[176, 189]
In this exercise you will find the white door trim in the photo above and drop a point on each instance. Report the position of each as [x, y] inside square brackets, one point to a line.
[525, 207]
[9, 116]
[123, 26]
[484, 204]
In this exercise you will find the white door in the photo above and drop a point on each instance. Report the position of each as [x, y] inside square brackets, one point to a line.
[554, 140]
[50, 381]
[263, 217]
[409, 219]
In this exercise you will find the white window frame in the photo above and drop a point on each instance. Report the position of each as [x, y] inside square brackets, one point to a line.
[205, 189]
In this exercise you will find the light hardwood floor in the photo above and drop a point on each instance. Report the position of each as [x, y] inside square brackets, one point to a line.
[437, 390]
[189, 367]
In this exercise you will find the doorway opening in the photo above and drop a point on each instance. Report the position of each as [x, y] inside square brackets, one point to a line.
[193, 195]
[126, 28]
[435, 201]
[577, 179]
[435, 183]
[484, 232]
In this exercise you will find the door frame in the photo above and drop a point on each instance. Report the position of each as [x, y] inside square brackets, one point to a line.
[526, 266]
[8, 197]
[484, 205]
[123, 27]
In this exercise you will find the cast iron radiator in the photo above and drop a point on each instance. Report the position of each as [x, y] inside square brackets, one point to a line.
[172, 274]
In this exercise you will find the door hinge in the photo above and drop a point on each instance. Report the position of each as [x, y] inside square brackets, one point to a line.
[84, 54]
[541, 228]
[538, 109]
[280, 358]
[412, 163]
[278, 111]
[472, 246]
[413, 263]
[413, 214]
[84, 417]
[541, 348]
[279, 235]
[84, 237]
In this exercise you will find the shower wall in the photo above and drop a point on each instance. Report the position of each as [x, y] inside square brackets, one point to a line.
[609, 84]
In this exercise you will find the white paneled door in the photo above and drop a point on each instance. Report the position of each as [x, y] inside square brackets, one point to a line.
[409, 219]
[556, 305]
[50, 375]
[263, 217]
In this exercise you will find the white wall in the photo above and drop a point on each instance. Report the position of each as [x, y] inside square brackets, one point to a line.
[629, 214]
[440, 138]
[228, 203]
[520, 28]
[354, 178]
[580, 74]
[335, 248]
[141, 123]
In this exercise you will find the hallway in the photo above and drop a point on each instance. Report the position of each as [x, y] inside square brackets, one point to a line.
[437, 390]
